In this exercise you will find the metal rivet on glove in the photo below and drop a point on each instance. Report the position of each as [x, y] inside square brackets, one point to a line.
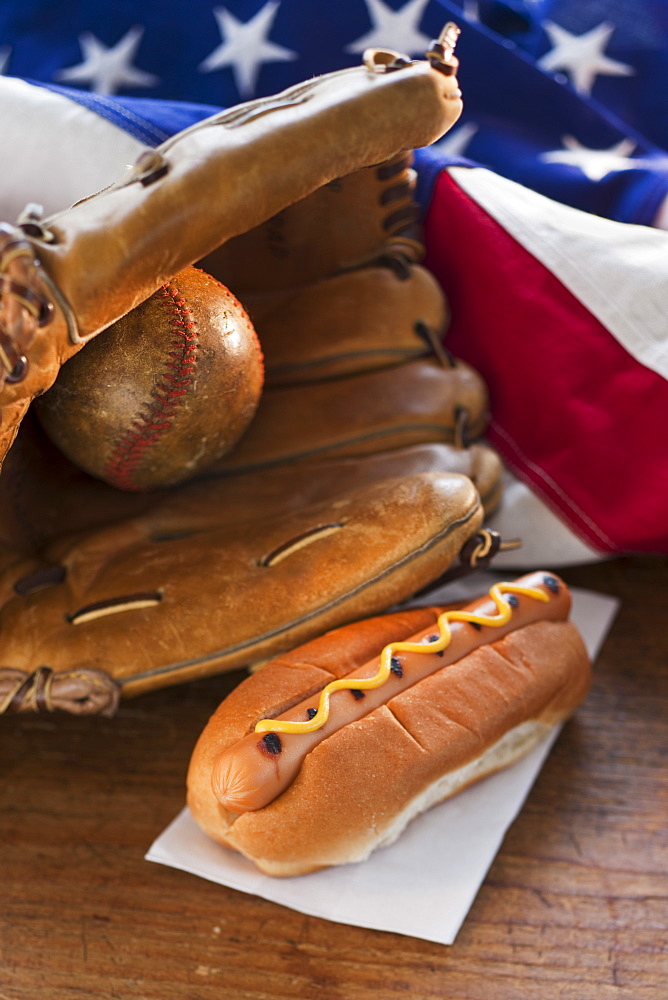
[19, 371]
[385, 60]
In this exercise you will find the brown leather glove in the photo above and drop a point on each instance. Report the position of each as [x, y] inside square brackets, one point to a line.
[223, 572]
[355, 484]
[351, 327]
[66, 278]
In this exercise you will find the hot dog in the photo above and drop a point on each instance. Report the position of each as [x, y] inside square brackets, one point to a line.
[329, 751]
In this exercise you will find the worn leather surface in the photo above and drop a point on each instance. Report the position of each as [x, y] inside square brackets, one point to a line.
[352, 321]
[216, 559]
[45, 498]
[202, 187]
[322, 234]
[360, 414]
[233, 569]
[356, 482]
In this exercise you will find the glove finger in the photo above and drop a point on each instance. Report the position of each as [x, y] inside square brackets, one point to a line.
[390, 408]
[352, 322]
[151, 606]
[348, 223]
[44, 498]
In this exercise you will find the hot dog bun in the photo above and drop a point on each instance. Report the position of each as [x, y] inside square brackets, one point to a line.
[358, 788]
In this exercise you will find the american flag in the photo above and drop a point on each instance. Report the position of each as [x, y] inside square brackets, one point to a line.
[545, 207]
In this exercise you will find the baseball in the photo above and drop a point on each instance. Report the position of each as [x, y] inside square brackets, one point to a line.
[162, 393]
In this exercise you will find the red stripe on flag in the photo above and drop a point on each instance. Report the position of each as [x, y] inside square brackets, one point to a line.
[572, 412]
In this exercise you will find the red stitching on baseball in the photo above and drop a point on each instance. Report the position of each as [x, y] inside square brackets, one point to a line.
[157, 417]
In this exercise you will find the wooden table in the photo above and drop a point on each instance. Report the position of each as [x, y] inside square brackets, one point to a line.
[574, 907]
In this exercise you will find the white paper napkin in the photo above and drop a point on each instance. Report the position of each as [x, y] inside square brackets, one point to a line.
[422, 885]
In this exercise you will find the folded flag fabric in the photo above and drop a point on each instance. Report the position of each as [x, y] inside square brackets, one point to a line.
[559, 301]
[566, 97]
[564, 315]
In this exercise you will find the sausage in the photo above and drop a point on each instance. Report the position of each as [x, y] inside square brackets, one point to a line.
[255, 770]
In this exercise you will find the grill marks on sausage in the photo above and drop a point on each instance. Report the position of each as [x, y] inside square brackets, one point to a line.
[271, 744]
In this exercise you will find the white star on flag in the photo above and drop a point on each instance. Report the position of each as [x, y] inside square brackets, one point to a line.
[394, 29]
[582, 55]
[246, 46]
[108, 69]
[594, 163]
[471, 10]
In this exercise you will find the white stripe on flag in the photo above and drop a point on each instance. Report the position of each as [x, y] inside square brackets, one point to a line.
[546, 539]
[618, 271]
[54, 150]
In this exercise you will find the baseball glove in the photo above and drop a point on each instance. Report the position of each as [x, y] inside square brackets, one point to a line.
[356, 481]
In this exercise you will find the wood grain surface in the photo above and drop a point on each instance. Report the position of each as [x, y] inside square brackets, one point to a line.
[575, 906]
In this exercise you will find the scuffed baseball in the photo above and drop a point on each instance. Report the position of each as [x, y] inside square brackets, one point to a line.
[162, 393]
